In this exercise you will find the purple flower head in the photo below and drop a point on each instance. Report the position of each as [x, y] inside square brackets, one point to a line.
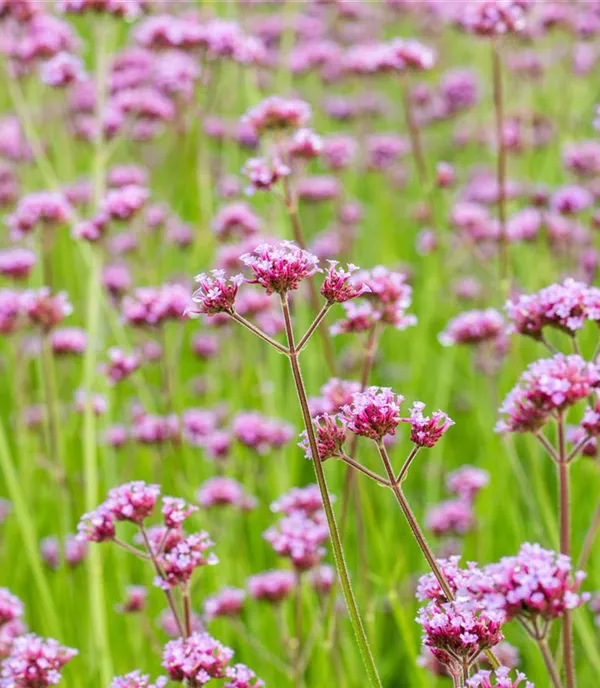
[360, 317]
[175, 510]
[35, 662]
[304, 500]
[299, 538]
[120, 365]
[45, 309]
[583, 158]
[570, 200]
[125, 9]
[135, 679]
[535, 583]
[322, 578]
[562, 306]
[124, 202]
[62, 70]
[235, 221]
[11, 607]
[132, 501]
[457, 632]
[216, 293]
[222, 491]
[338, 287]
[466, 481]
[226, 602]
[45, 208]
[264, 174]
[548, 387]
[10, 310]
[330, 435]
[135, 600]
[490, 18]
[318, 188]
[68, 340]
[473, 327]
[338, 151]
[304, 144]
[91, 230]
[452, 517]
[498, 679]
[239, 676]
[196, 659]
[275, 113]
[272, 586]
[410, 54]
[427, 431]
[97, 525]
[280, 268]
[75, 551]
[180, 562]
[374, 413]
[16, 263]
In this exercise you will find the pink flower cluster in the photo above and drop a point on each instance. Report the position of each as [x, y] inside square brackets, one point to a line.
[216, 294]
[564, 306]
[226, 602]
[41, 209]
[473, 327]
[498, 679]
[151, 307]
[280, 269]
[373, 413]
[427, 431]
[490, 18]
[35, 662]
[260, 433]
[272, 586]
[330, 434]
[276, 113]
[120, 365]
[222, 491]
[196, 659]
[457, 632]
[546, 389]
[300, 538]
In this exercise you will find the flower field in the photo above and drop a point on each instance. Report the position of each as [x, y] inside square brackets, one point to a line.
[300, 343]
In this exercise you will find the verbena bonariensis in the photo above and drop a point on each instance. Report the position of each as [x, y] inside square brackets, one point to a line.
[373, 413]
[195, 657]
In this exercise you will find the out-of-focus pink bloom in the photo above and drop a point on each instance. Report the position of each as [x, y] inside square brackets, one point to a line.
[223, 491]
[466, 481]
[338, 151]
[149, 306]
[120, 365]
[260, 433]
[205, 346]
[135, 679]
[452, 517]
[570, 200]
[97, 402]
[44, 208]
[473, 327]
[116, 279]
[490, 18]
[62, 70]
[304, 500]
[304, 144]
[68, 340]
[272, 586]
[383, 150]
[275, 113]
[235, 221]
[264, 174]
[197, 424]
[152, 429]
[317, 189]
[135, 600]
[16, 263]
[45, 309]
[10, 310]
[239, 676]
[300, 538]
[226, 602]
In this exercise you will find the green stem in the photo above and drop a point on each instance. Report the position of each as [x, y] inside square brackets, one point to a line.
[342, 571]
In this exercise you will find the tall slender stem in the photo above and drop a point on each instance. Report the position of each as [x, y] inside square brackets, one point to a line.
[501, 159]
[315, 323]
[414, 525]
[415, 135]
[160, 574]
[565, 547]
[407, 463]
[336, 543]
[590, 537]
[298, 667]
[549, 662]
[258, 332]
[292, 209]
[365, 471]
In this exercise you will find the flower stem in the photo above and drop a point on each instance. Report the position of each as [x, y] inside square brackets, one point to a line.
[407, 463]
[415, 135]
[292, 209]
[336, 543]
[549, 662]
[259, 333]
[414, 525]
[565, 547]
[371, 474]
[315, 323]
[590, 537]
[501, 160]
[160, 573]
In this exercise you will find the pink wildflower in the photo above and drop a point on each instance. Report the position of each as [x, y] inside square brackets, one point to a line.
[373, 413]
[35, 662]
[227, 602]
[196, 659]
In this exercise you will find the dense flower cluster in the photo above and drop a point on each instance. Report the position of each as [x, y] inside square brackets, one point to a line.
[547, 388]
[281, 268]
[35, 662]
[473, 327]
[374, 413]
